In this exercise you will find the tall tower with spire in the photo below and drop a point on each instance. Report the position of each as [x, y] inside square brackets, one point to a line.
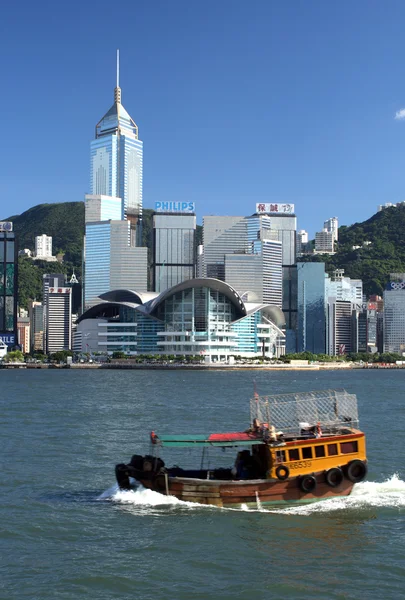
[117, 162]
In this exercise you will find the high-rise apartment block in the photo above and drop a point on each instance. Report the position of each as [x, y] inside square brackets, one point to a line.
[332, 226]
[8, 284]
[324, 242]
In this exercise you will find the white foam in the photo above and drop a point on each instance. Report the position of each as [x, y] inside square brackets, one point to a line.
[368, 494]
[144, 497]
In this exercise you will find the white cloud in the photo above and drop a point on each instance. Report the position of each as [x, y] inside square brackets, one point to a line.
[400, 114]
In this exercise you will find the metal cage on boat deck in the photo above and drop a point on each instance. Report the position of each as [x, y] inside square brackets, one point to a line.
[331, 409]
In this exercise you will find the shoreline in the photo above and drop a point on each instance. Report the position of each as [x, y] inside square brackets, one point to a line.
[203, 367]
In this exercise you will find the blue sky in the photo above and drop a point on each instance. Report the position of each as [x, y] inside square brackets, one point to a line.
[236, 102]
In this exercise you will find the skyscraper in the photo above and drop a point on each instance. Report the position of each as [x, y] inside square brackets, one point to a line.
[49, 280]
[246, 253]
[111, 262]
[114, 206]
[222, 235]
[8, 284]
[59, 319]
[394, 314]
[174, 252]
[117, 162]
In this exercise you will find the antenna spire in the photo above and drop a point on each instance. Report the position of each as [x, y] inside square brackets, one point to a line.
[117, 91]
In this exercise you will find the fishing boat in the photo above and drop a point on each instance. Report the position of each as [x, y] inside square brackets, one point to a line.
[298, 447]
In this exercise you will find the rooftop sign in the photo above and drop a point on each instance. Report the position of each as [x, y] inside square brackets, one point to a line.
[174, 207]
[276, 209]
[6, 226]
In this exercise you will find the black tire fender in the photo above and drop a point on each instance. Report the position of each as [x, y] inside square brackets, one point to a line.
[307, 483]
[356, 471]
[282, 472]
[334, 476]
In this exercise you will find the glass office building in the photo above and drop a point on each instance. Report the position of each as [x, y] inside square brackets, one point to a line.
[312, 308]
[222, 235]
[174, 251]
[111, 263]
[8, 286]
[394, 317]
[196, 317]
[117, 160]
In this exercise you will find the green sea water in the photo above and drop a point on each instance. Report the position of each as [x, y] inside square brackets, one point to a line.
[67, 533]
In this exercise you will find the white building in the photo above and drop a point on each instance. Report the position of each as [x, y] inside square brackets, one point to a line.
[302, 240]
[43, 248]
[332, 225]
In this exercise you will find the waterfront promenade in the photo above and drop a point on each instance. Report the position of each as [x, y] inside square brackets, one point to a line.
[130, 365]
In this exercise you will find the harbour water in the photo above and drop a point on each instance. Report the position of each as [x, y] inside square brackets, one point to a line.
[67, 533]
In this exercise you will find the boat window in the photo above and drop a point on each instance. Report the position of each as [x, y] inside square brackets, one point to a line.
[280, 456]
[349, 447]
[319, 451]
[307, 452]
[332, 449]
[294, 454]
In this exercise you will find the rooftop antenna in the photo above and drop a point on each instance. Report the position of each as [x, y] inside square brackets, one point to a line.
[117, 91]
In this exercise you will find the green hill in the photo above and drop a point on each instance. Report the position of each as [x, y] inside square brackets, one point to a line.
[371, 262]
[65, 223]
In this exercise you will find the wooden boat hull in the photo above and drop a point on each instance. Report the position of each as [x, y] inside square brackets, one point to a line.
[234, 493]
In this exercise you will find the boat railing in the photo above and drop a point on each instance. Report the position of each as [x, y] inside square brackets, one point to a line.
[298, 414]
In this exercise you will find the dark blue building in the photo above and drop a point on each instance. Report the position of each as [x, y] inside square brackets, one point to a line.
[8, 284]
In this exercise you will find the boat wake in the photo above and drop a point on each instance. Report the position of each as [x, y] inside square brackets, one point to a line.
[368, 494]
[142, 497]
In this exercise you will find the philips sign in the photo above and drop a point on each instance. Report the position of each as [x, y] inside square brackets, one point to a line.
[276, 209]
[175, 207]
[6, 226]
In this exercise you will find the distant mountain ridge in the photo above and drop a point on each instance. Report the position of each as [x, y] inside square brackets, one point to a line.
[381, 241]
